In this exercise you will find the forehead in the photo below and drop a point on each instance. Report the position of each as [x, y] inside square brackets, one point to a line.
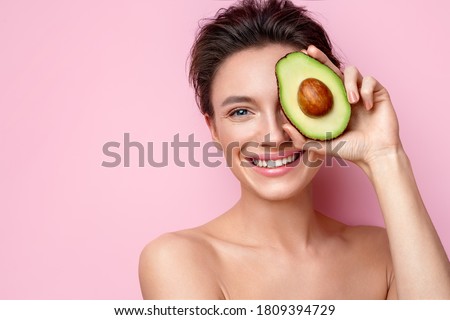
[248, 72]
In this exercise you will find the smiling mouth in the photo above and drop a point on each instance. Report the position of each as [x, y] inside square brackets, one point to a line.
[276, 163]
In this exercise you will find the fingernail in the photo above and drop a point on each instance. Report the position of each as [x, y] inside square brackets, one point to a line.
[352, 97]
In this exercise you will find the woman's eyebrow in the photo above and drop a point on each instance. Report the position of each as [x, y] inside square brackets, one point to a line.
[237, 99]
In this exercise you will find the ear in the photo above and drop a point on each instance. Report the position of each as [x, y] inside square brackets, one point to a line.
[212, 128]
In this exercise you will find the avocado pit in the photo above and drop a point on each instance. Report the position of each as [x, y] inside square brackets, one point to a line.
[314, 97]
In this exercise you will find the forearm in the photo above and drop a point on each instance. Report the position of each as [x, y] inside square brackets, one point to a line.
[420, 263]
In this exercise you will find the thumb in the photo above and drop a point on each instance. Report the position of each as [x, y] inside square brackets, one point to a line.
[298, 140]
[316, 146]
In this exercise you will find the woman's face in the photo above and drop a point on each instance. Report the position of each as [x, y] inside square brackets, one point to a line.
[248, 124]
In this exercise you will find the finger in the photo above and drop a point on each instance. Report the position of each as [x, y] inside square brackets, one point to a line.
[298, 140]
[301, 143]
[315, 146]
[352, 80]
[317, 54]
[368, 86]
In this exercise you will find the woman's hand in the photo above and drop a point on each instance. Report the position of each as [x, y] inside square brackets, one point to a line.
[372, 141]
[373, 130]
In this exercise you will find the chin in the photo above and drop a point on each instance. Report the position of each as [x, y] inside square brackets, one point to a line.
[280, 190]
[279, 194]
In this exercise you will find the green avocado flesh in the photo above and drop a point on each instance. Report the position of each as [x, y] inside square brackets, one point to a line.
[291, 70]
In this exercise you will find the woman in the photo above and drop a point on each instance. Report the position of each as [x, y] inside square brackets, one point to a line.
[272, 244]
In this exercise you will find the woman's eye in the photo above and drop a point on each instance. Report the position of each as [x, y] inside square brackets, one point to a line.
[239, 112]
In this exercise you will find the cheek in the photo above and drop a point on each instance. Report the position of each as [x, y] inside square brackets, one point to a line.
[235, 136]
[238, 142]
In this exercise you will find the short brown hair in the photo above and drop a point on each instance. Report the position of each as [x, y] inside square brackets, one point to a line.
[250, 23]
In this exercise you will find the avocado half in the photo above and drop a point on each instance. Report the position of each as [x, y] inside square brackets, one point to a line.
[291, 71]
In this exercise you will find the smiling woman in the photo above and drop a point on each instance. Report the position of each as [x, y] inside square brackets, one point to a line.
[273, 244]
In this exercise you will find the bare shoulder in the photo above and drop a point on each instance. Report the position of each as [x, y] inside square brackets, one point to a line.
[371, 245]
[368, 238]
[360, 237]
[178, 265]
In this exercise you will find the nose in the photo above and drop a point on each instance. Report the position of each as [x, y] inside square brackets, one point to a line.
[275, 134]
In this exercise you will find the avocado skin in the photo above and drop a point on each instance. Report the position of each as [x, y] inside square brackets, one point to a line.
[290, 71]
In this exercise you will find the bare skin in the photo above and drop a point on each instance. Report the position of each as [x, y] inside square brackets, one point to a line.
[272, 244]
[208, 262]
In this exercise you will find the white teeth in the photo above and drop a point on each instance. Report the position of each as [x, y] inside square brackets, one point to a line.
[273, 163]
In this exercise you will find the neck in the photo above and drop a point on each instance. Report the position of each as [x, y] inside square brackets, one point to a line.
[288, 223]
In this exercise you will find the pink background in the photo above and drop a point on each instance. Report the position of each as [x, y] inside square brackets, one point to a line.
[77, 74]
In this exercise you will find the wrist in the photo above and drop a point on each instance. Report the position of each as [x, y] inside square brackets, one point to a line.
[385, 162]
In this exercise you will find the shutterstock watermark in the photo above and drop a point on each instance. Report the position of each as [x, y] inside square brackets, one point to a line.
[182, 152]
